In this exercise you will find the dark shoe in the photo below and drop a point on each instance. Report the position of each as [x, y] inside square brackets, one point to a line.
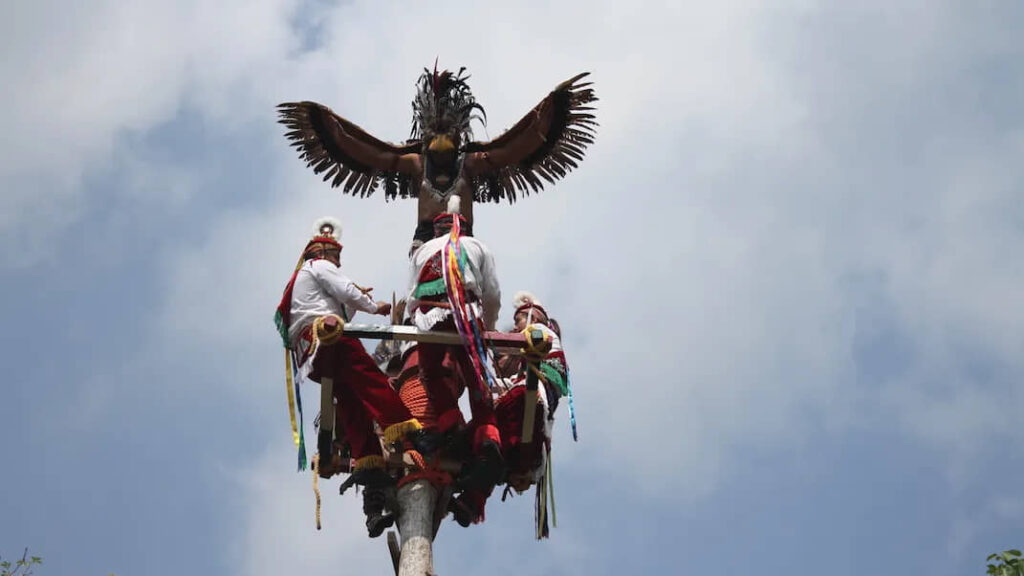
[487, 471]
[426, 442]
[463, 511]
[377, 520]
[324, 445]
[369, 477]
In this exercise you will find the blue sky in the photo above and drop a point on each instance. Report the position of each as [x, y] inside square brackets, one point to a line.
[787, 274]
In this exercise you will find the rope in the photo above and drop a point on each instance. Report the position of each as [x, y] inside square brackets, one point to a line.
[325, 335]
[533, 352]
[414, 396]
[316, 487]
[439, 478]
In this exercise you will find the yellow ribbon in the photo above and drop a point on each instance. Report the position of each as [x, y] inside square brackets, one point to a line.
[291, 394]
[316, 487]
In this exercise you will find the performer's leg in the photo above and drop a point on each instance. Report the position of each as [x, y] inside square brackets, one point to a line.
[368, 470]
[508, 410]
[375, 393]
[480, 403]
[432, 376]
[357, 425]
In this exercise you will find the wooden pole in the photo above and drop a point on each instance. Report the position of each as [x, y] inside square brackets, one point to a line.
[416, 504]
[539, 345]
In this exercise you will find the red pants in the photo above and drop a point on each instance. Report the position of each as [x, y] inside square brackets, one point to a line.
[432, 374]
[362, 392]
[520, 458]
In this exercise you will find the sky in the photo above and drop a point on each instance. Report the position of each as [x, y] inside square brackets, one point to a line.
[787, 274]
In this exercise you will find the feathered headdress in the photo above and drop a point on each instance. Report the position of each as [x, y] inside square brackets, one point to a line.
[524, 300]
[326, 229]
[444, 104]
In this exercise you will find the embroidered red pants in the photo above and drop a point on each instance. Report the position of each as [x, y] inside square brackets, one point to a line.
[432, 374]
[362, 391]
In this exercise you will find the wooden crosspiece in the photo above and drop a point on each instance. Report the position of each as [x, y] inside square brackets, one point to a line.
[508, 343]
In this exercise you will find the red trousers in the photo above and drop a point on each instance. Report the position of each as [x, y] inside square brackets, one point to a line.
[520, 458]
[432, 374]
[362, 391]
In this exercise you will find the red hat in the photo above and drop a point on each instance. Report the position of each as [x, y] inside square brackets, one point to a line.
[325, 231]
[525, 301]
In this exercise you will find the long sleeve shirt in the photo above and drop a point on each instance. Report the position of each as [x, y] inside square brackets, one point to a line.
[321, 289]
[479, 276]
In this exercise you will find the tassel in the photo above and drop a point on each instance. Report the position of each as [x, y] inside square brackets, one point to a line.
[541, 509]
[396, 432]
[302, 435]
[551, 489]
[572, 409]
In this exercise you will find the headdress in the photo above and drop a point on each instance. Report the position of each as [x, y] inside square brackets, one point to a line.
[325, 231]
[527, 301]
[444, 105]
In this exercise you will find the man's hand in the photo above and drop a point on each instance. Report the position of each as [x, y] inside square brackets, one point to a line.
[383, 308]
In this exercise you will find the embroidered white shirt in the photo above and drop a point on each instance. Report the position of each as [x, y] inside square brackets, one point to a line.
[320, 289]
[480, 279]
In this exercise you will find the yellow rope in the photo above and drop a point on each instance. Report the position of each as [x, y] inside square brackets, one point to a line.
[316, 486]
[325, 335]
[534, 352]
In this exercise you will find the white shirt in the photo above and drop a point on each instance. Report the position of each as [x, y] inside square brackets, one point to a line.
[321, 289]
[480, 279]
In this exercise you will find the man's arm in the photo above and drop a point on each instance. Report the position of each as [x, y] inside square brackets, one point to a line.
[342, 289]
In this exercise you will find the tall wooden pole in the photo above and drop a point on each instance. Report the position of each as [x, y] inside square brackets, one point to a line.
[417, 501]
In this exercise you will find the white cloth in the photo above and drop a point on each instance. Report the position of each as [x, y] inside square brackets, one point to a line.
[480, 278]
[321, 289]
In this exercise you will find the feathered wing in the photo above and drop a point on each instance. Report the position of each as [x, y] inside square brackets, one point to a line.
[546, 143]
[345, 153]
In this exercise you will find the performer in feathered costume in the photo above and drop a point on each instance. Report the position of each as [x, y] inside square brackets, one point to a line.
[454, 287]
[441, 159]
[317, 300]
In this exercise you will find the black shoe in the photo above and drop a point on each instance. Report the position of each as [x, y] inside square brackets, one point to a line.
[376, 524]
[426, 442]
[324, 446]
[462, 511]
[377, 520]
[369, 477]
[487, 471]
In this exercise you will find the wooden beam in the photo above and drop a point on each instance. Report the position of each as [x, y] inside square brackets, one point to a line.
[395, 549]
[413, 334]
